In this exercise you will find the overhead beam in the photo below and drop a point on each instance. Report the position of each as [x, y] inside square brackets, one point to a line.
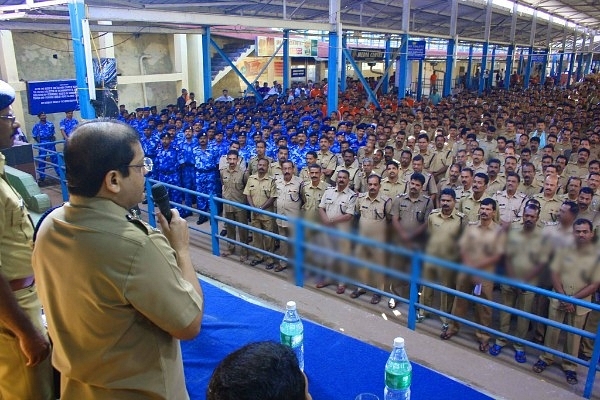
[160, 16]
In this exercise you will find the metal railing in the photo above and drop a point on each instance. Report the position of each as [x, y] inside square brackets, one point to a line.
[302, 266]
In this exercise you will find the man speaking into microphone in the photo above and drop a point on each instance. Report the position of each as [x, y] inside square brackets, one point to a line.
[118, 294]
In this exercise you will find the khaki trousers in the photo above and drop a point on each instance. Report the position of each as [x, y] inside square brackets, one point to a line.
[515, 298]
[240, 216]
[483, 314]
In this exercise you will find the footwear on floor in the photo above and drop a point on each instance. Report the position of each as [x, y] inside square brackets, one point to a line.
[571, 377]
[520, 356]
[280, 268]
[484, 347]
[270, 266]
[201, 219]
[495, 350]
[322, 284]
[392, 303]
[375, 299]
[223, 232]
[340, 289]
[255, 262]
[539, 366]
[446, 334]
[420, 317]
[356, 293]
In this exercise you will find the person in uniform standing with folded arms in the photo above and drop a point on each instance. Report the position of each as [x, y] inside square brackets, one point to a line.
[118, 293]
[25, 370]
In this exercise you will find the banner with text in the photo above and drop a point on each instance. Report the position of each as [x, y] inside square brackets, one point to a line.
[416, 50]
[266, 46]
[52, 96]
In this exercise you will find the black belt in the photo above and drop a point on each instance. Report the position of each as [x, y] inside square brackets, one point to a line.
[21, 283]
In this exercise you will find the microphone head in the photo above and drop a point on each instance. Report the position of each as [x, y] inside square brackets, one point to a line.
[159, 191]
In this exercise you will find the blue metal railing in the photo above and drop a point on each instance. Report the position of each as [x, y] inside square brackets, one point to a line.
[301, 266]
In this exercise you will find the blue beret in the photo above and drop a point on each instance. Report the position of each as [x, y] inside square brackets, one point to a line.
[202, 133]
[7, 95]
[139, 109]
[169, 127]
[165, 134]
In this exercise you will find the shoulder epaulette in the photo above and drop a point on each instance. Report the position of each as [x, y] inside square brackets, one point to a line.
[473, 222]
[460, 214]
[436, 210]
[363, 195]
[143, 226]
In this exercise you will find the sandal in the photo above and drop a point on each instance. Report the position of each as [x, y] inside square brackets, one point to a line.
[340, 289]
[520, 356]
[446, 334]
[356, 293]
[571, 377]
[254, 263]
[375, 299]
[484, 347]
[270, 266]
[495, 350]
[539, 366]
[280, 268]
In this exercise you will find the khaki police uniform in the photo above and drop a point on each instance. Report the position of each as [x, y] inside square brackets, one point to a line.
[575, 268]
[233, 190]
[253, 164]
[17, 381]
[429, 188]
[260, 190]
[481, 242]
[352, 171]
[530, 190]
[549, 208]
[575, 169]
[288, 204]
[373, 220]
[442, 232]
[119, 312]
[494, 186]
[360, 182]
[524, 253]
[392, 189]
[510, 206]
[326, 160]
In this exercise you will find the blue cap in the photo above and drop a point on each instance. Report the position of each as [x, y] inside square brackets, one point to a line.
[7, 95]
[202, 133]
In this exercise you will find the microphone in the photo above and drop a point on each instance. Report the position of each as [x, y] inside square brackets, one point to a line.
[161, 199]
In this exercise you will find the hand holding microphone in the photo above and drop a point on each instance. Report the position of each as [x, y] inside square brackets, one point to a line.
[173, 226]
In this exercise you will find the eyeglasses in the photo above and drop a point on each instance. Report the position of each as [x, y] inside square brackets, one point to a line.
[148, 164]
[11, 118]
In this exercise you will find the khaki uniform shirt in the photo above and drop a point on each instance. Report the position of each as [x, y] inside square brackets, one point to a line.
[530, 190]
[311, 198]
[253, 164]
[16, 231]
[443, 231]
[326, 160]
[352, 170]
[360, 182]
[392, 189]
[373, 215]
[411, 213]
[233, 187]
[288, 199]
[130, 293]
[524, 258]
[337, 203]
[429, 187]
[549, 208]
[305, 175]
[261, 190]
[445, 183]
[510, 207]
[470, 207]
[441, 158]
[495, 186]
[580, 171]
[482, 242]
[576, 267]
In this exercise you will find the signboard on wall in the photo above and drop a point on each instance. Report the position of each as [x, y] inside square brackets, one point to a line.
[374, 55]
[539, 56]
[266, 46]
[416, 50]
[298, 72]
[52, 96]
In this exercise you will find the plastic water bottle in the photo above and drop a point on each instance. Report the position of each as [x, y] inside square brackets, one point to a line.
[292, 332]
[398, 373]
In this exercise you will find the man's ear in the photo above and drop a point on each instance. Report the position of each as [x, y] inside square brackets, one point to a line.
[113, 181]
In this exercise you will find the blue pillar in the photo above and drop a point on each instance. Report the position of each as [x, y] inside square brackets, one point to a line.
[492, 76]
[206, 64]
[544, 67]
[469, 74]
[343, 62]
[332, 78]
[449, 75]
[420, 82]
[559, 69]
[571, 66]
[528, 68]
[579, 66]
[552, 66]
[402, 66]
[510, 55]
[286, 60]
[521, 59]
[386, 64]
[481, 84]
[76, 15]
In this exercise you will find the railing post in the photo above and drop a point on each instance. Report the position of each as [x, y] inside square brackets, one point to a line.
[298, 245]
[150, 200]
[214, 225]
[415, 273]
[589, 381]
[62, 176]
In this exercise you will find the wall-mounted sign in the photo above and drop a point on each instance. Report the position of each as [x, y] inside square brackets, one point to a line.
[52, 96]
[416, 49]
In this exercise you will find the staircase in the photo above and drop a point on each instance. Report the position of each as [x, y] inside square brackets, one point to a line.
[235, 52]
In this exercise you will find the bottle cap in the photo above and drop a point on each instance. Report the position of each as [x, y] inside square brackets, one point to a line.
[291, 305]
[399, 342]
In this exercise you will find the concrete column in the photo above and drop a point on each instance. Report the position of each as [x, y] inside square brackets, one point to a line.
[180, 61]
[286, 60]
[386, 64]
[448, 75]
[510, 55]
[206, 68]
[528, 68]
[9, 73]
[195, 67]
[332, 76]
[469, 76]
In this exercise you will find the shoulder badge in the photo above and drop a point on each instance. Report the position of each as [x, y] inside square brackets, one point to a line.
[460, 214]
[473, 222]
[436, 210]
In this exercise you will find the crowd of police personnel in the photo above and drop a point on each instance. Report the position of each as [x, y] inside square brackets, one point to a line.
[508, 182]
